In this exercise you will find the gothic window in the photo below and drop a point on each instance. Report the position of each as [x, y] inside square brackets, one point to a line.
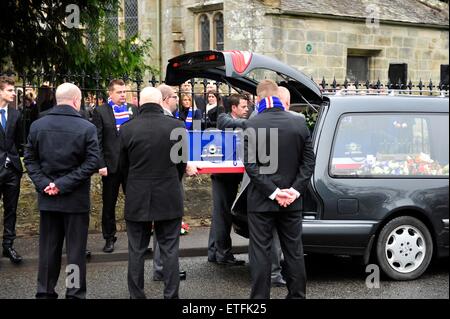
[112, 25]
[92, 41]
[131, 18]
[204, 32]
[218, 31]
[210, 31]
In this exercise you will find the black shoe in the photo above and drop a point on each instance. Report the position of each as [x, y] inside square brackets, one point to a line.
[182, 276]
[231, 262]
[12, 254]
[278, 283]
[212, 260]
[109, 245]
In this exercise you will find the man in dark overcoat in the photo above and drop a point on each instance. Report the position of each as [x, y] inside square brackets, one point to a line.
[60, 156]
[274, 193]
[150, 146]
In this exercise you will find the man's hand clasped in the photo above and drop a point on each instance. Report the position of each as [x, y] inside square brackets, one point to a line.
[285, 197]
[103, 171]
[51, 189]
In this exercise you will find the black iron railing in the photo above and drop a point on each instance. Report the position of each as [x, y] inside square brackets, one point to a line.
[94, 88]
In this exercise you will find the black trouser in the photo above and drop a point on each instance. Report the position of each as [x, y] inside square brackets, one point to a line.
[289, 227]
[9, 190]
[54, 227]
[167, 233]
[224, 190]
[111, 185]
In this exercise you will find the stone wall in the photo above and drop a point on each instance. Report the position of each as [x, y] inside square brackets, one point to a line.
[423, 49]
[259, 26]
[247, 27]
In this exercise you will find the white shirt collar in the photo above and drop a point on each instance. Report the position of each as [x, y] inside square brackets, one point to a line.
[5, 108]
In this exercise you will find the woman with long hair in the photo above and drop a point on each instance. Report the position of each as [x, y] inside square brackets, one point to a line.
[187, 112]
[213, 108]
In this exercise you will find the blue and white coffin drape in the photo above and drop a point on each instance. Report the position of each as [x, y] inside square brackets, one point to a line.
[215, 151]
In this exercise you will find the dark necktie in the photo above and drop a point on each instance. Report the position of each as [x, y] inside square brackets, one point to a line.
[2, 111]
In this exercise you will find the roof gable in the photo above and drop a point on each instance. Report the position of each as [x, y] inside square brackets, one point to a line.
[410, 11]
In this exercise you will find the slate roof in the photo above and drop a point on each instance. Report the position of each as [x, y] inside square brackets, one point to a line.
[413, 11]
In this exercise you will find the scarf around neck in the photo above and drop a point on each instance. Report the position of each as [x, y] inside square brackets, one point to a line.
[121, 113]
[268, 103]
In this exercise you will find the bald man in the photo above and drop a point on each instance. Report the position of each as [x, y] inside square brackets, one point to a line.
[154, 191]
[285, 97]
[60, 156]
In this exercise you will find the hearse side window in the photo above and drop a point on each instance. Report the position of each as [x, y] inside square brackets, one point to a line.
[391, 145]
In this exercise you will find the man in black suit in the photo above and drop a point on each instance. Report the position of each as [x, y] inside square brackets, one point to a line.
[60, 156]
[108, 119]
[169, 105]
[10, 165]
[154, 193]
[224, 190]
[273, 195]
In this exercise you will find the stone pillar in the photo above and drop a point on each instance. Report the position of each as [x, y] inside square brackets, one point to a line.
[246, 26]
[149, 28]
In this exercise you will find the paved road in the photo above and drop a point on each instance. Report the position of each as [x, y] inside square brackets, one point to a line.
[328, 277]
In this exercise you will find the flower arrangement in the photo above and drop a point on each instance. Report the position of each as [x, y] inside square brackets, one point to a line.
[420, 164]
[184, 228]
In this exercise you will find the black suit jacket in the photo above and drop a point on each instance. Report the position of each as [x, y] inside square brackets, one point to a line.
[108, 136]
[62, 148]
[154, 189]
[212, 115]
[225, 120]
[10, 141]
[296, 160]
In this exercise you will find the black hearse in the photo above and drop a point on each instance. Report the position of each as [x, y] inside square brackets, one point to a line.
[380, 188]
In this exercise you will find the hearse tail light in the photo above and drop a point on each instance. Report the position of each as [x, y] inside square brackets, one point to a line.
[211, 57]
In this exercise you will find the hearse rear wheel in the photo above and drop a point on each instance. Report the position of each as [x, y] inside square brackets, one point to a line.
[404, 248]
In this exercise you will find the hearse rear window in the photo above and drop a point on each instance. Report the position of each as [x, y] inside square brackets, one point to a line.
[391, 145]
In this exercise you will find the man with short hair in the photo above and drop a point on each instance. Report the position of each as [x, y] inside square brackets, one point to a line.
[10, 165]
[273, 195]
[108, 119]
[224, 190]
[277, 279]
[169, 106]
[169, 99]
[154, 191]
[60, 156]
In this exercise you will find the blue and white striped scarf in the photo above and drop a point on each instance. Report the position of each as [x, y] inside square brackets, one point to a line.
[268, 103]
[188, 120]
[121, 113]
